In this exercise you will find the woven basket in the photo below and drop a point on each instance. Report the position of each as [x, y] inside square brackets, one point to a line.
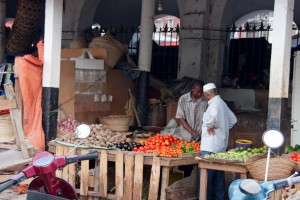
[114, 48]
[279, 167]
[297, 164]
[7, 132]
[78, 43]
[117, 122]
[25, 26]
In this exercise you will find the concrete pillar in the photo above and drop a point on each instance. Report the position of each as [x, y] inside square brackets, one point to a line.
[51, 69]
[71, 16]
[193, 37]
[147, 23]
[280, 63]
[2, 29]
[145, 56]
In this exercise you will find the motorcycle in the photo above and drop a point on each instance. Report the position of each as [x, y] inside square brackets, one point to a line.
[249, 189]
[43, 166]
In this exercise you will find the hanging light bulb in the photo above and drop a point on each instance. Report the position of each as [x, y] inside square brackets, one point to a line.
[160, 6]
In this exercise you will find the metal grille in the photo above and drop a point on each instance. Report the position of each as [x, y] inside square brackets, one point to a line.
[164, 50]
[248, 55]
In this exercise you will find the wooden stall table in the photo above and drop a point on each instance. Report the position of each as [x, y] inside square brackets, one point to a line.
[129, 168]
[205, 164]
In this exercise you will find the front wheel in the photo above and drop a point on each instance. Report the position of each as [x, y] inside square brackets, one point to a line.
[67, 191]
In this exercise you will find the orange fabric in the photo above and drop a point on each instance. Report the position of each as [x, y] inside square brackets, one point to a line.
[30, 71]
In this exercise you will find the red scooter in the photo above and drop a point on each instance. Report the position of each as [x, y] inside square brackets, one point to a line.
[43, 166]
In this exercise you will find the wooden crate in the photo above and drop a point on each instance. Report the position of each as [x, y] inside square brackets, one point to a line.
[129, 168]
[183, 189]
[171, 110]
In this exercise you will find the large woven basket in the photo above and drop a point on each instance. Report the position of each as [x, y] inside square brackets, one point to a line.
[25, 27]
[113, 47]
[279, 167]
[297, 164]
[117, 122]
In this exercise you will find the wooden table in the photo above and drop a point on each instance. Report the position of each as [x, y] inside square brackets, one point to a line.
[230, 167]
[128, 174]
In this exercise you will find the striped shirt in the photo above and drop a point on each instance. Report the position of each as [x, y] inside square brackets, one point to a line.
[192, 112]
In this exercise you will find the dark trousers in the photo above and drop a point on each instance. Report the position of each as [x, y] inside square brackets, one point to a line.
[215, 183]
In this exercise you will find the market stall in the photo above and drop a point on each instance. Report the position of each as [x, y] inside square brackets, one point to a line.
[128, 173]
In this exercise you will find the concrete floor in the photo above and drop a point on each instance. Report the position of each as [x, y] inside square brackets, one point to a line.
[10, 194]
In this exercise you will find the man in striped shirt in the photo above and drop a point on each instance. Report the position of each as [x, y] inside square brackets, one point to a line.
[190, 110]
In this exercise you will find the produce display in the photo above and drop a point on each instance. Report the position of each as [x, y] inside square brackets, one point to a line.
[4, 112]
[67, 125]
[127, 146]
[289, 149]
[167, 146]
[295, 156]
[100, 136]
[238, 154]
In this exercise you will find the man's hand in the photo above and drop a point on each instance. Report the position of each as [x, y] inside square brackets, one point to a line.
[195, 134]
[211, 131]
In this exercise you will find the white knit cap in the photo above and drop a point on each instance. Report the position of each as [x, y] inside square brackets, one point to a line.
[208, 86]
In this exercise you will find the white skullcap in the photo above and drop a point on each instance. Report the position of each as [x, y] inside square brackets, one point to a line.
[209, 86]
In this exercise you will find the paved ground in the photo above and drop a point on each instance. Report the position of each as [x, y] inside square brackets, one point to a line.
[10, 194]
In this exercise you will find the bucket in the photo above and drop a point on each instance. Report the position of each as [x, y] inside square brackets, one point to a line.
[243, 143]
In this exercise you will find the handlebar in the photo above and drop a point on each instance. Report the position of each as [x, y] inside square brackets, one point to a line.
[13, 181]
[278, 184]
[7, 185]
[90, 156]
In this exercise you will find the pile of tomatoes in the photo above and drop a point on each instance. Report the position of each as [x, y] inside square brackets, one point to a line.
[295, 157]
[167, 146]
[4, 112]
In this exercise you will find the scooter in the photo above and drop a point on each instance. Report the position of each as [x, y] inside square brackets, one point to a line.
[43, 166]
[249, 189]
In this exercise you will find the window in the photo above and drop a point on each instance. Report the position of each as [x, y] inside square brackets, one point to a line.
[170, 22]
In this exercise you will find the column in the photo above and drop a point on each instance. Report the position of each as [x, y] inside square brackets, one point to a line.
[194, 35]
[51, 70]
[280, 64]
[145, 56]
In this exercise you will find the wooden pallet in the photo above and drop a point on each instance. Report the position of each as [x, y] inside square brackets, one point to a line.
[129, 168]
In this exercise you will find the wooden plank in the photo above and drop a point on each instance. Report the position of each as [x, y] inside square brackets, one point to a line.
[65, 171]
[154, 179]
[7, 104]
[84, 175]
[103, 173]
[97, 177]
[138, 177]
[59, 151]
[242, 169]
[203, 184]
[19, 97]
[119, 175]
[164, 182]
[8, 146]
[15, 159]
[72, 170]
[16, 121]
[128, 183]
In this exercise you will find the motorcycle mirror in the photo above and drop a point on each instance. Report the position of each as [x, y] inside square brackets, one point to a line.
[82, 131]
[273, 138]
